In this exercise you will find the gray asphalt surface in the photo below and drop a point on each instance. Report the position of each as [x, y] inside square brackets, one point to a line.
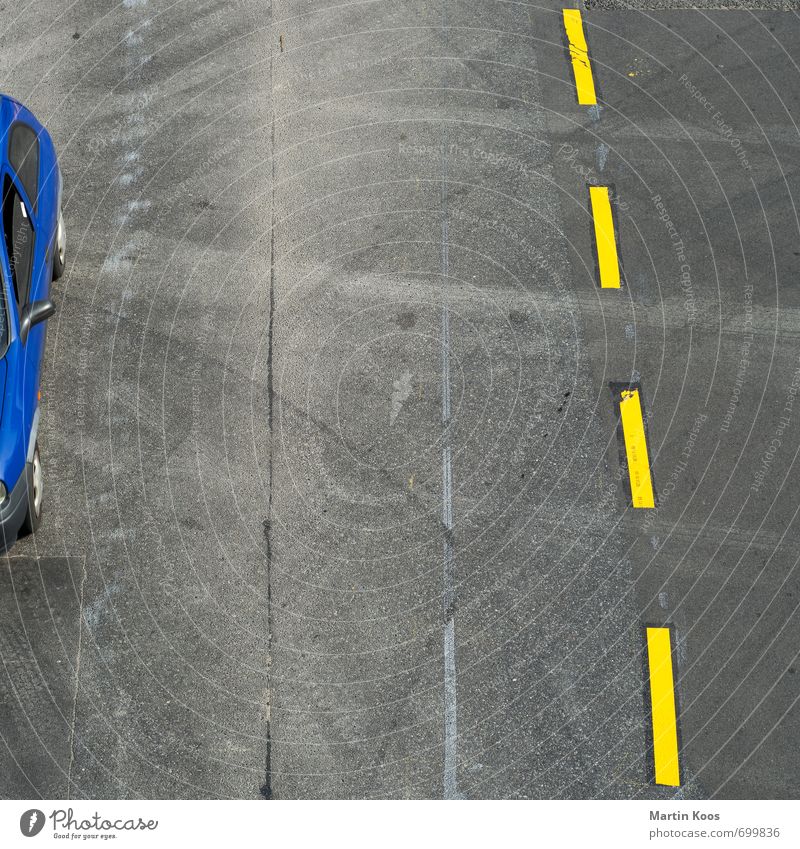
[334, 503]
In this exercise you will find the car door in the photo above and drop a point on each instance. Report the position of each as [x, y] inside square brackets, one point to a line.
[24, 156]
[19, 226]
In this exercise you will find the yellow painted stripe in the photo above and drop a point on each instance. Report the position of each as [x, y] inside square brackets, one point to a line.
[662, 700]
[606, 242]
[579, 53]
[630, 408]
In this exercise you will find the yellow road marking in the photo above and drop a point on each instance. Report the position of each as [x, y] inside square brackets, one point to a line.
[607, 258]
[579, 53]
[630, 409]
[662, 700]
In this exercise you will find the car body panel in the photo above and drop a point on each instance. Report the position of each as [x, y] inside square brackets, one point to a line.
[21, 367]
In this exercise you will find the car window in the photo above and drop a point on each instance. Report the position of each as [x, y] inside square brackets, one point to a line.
[23, 154]
[18, 234]
[3, 324]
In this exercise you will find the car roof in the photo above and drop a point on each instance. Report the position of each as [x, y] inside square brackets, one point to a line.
[11, 111]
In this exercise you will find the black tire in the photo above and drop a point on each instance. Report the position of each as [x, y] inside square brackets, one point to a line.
[33, 476]
[59, 248]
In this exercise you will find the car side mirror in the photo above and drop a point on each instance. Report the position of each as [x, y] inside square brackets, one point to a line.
[34, 314]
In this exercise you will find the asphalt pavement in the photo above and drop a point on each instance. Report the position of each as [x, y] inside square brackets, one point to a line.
[337, 498]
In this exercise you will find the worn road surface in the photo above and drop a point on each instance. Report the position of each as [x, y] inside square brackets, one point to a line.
[337, 502]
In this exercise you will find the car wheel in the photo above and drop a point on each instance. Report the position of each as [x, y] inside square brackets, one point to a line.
[60, 253]
[33, 473]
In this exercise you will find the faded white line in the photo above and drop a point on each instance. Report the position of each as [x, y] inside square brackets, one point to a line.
[601, 155]
[402, 390]
[448, 595]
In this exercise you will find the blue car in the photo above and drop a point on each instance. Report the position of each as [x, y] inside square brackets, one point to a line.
[31, 256]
